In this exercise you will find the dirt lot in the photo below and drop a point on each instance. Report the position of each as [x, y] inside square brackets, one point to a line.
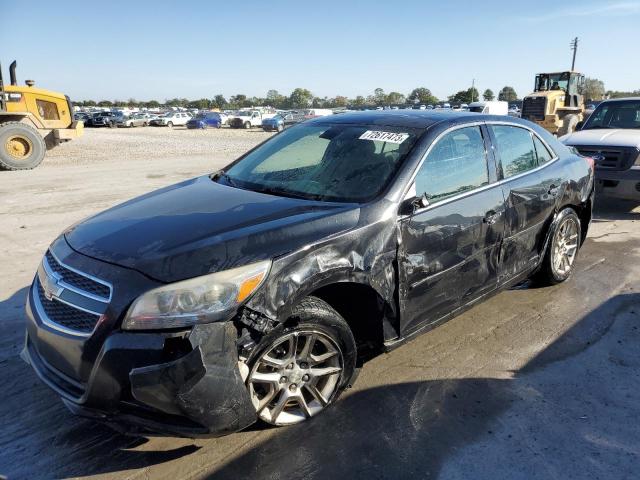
[535, 383]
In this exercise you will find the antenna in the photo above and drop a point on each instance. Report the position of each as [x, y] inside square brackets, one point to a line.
[574, 47]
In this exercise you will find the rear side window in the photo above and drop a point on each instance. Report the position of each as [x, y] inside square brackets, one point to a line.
[543, 153]
[516, 150]
[456, 163]
[47, 110]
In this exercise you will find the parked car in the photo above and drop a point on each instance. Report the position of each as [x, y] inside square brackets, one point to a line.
[107, 119]
[494, 107]
[135, 120]
[254, 292]
[248, 119]
[170, 119]
[611, 136]
[282, 121]
[205, 120]
[81, 116]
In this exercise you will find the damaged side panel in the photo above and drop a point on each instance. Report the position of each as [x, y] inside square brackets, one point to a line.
[365, 255]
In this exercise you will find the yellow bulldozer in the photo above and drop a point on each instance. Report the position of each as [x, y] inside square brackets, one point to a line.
[32, 121]
[556, 103]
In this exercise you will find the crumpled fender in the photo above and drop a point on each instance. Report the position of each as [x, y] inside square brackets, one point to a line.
[366, 255]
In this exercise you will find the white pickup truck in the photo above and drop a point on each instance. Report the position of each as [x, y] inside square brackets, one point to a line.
[249, 118]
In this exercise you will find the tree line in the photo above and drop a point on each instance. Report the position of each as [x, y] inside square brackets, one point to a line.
[303, 98]
[594, 89]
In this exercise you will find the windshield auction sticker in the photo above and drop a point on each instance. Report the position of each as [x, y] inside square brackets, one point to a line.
[390, 137]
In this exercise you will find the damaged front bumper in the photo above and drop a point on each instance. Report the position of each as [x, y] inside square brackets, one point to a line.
[180, 384]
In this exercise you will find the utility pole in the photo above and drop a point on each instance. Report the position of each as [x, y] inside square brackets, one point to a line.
[574, 47]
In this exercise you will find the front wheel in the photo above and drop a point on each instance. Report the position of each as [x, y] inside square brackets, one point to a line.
[21, 146]
[170, 124]
[247, 125]
[561, 253]
[280, 128]
[301, 368]
[569, 123]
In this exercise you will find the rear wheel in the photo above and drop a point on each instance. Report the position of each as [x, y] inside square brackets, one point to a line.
[300, 368]
[561, 253]
[21, 146]
[170, 124]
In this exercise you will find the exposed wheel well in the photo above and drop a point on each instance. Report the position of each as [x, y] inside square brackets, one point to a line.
[584, 214]
[364, 311]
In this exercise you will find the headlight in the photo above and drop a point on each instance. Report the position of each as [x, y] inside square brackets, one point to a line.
[198, 300]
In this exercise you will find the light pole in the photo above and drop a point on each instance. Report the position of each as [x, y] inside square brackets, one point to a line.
[574, 47]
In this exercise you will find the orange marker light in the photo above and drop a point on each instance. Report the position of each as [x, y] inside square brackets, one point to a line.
[248, 286]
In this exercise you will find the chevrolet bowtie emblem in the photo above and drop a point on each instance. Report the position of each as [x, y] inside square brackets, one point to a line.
[49, 283]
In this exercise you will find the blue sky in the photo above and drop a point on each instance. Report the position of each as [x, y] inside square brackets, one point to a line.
[145, 49]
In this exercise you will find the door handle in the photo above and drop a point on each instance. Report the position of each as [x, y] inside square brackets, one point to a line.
[491, 217]
[553, 190]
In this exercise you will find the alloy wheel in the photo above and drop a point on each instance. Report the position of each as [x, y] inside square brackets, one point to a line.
[565, 246]
[295, 377]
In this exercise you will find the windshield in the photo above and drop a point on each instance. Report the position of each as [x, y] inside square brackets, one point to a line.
[342, 163]
[615, 115]
[552, 81]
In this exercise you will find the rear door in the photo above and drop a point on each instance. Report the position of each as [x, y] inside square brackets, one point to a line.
[530, 191]
[449, 250]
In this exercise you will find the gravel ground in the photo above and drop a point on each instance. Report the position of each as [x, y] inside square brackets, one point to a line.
[157, 142]
[535, 383]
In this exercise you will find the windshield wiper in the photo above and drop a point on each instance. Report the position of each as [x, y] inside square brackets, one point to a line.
[286, 193]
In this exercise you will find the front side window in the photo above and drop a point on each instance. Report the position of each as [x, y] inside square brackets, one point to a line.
[47, 110]
[515, 148]
[331, 162]
[456, 163]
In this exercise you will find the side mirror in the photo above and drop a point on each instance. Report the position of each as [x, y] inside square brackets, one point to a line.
[410, 205]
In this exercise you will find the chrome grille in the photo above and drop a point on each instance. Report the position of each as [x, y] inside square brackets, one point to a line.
[77, 280]
[67, 299]
[65, 315]
[605, 159]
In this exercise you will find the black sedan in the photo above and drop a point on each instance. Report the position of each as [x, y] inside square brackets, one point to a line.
[256, 292]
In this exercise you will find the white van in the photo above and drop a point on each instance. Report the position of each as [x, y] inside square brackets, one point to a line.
[495, 107]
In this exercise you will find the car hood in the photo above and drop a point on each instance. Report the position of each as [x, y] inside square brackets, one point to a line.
[619, 137]
[199, 226]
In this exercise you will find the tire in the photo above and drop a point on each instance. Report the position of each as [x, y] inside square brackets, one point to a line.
[247, 125]
[569, 123]
[285, 388]
[170, 124]
[112, 125]
[565, 236]
[21, 146]
[280, 128]
[145, 124]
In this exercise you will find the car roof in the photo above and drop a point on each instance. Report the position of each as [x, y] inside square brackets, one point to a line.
[411, 118]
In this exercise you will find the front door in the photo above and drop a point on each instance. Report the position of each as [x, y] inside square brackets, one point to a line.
[449, 250]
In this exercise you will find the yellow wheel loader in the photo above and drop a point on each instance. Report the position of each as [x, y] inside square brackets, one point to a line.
[556, 103]
[32, 121]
